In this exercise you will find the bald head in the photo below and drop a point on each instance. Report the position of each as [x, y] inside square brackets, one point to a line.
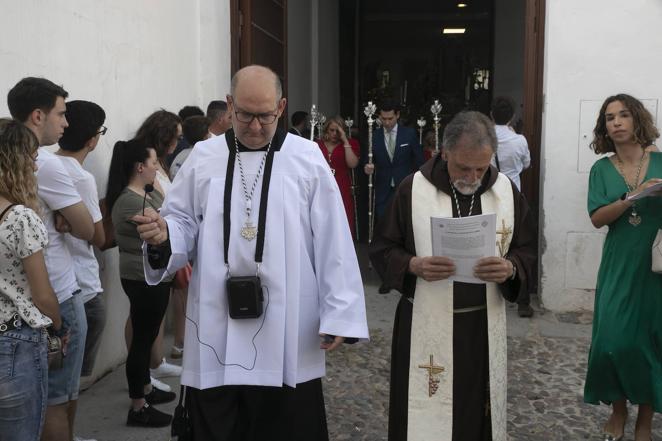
[256, 75]
[256, 102]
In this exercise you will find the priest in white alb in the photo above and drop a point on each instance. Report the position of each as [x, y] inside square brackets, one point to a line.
[275, 279]
[448, 361]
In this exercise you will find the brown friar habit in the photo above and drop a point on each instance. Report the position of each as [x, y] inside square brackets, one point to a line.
[390, 252]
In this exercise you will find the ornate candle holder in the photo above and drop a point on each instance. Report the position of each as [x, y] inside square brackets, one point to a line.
[321, 119]
[421, 123]
[313, 121]
[436, 110]
[369, 111]
[349, 123]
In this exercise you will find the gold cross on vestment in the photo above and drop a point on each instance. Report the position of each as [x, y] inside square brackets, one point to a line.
[504, 232]
[433, 370]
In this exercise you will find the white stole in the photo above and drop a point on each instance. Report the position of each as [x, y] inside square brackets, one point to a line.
[430, 418]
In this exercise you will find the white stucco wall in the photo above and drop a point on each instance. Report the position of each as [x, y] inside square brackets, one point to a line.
[593, 49]
[131, 57]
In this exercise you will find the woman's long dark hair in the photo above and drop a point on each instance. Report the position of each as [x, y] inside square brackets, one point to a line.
[126, 154]
[158, 131]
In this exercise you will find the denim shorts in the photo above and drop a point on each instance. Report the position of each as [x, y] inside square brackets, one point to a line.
[63, 383]
[23, 383]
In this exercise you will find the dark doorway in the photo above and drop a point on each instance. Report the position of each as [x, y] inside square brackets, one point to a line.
[405, 56]
[398, 50]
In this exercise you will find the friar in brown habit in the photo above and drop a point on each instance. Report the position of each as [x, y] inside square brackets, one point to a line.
[448, 363]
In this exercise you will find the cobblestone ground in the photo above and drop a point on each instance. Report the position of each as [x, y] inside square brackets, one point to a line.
[544, 396]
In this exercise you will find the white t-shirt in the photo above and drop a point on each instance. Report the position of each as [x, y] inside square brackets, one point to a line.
[56, 191]
[513, 153]
[86, 265]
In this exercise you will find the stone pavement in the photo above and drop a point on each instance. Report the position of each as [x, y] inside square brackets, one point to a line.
[547, 362]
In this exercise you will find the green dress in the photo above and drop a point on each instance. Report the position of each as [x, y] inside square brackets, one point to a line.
[625, 359]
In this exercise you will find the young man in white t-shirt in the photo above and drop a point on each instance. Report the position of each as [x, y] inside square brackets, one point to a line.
[80, 138]
[39, 104]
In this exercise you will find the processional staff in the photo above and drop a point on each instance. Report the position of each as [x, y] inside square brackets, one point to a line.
[436, 109]
[421, 123]
[370, 110]
[313, 121]
[321, 119]
[349, 123]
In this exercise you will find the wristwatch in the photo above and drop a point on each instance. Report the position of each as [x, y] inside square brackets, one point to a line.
[624, 196]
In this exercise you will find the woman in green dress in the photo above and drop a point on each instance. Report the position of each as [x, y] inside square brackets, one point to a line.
[625, 359]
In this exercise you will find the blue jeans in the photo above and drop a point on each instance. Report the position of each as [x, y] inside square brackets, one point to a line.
[23, 383]
[63, 383]
[95, 312]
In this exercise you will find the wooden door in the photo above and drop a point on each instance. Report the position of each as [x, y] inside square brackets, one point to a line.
[259, 35]
[534, 41]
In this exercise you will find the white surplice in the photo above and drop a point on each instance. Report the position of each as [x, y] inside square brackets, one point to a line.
[309, 272]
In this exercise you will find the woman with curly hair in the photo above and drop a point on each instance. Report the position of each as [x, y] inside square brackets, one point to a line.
[27, 302]
[625, 359]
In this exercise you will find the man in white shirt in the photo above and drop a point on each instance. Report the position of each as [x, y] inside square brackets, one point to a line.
[80, 138]
[512, 156]
[266, 203]
[39, 104]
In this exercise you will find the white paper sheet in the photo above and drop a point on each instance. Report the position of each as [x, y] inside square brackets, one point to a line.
[464, 240]
[647, 192]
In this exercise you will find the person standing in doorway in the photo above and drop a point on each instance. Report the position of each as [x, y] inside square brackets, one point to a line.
[396, 154]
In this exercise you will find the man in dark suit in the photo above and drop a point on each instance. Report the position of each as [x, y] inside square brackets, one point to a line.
[299, 123]
[396, 153]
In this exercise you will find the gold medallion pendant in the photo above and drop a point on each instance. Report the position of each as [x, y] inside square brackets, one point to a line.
[248, 231]
[634, 219]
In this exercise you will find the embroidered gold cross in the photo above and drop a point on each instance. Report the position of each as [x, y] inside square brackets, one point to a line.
[504, 232]
[433, 370]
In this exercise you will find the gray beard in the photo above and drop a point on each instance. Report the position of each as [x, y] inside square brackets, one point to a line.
[466, 189]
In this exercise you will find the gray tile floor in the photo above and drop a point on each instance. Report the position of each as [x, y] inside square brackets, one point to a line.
[547, 362]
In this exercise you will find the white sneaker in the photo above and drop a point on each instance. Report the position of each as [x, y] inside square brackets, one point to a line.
[160, 385]
[166, 369]
[78, 438]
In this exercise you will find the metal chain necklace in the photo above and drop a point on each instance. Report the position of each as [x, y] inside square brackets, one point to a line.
[634, 218]
[457, 203]
[328, 155]
[249, 231]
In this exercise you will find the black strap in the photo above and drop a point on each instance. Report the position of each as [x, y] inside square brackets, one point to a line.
[264, 196]
[2, 215]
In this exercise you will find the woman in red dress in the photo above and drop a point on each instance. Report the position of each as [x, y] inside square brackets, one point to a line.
[342, 154]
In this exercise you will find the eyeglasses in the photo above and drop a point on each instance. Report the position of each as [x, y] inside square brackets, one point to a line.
[103, 130]
[263, 118]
